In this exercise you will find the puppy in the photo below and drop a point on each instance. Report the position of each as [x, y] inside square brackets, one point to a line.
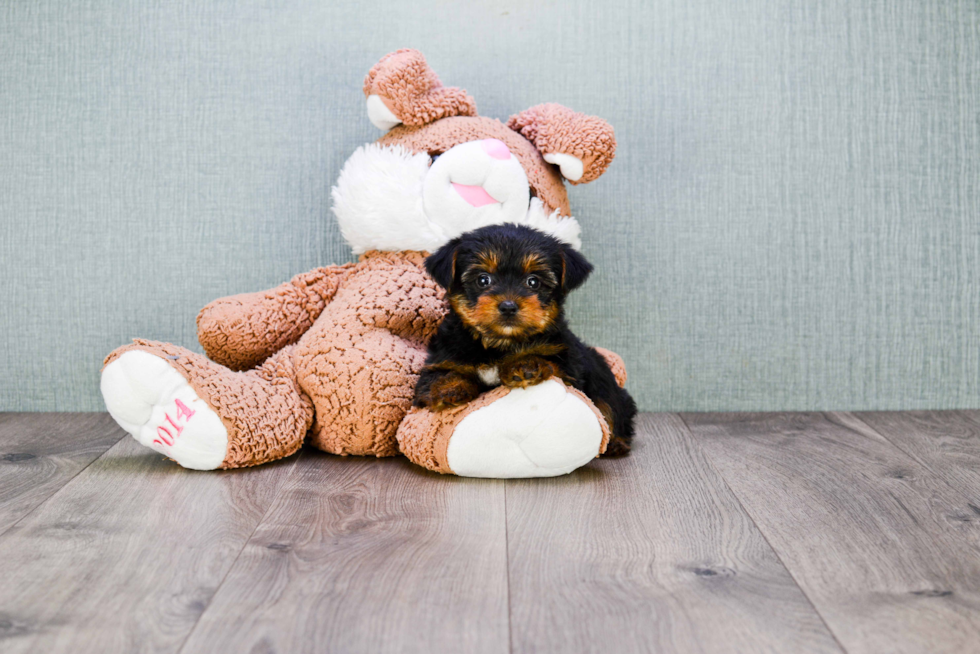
[506, 285]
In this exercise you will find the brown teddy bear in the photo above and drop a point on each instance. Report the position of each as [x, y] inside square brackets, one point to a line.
[332, 356]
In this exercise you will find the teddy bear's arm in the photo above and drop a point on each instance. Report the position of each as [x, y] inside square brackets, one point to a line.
[616, 364]
[241, 331]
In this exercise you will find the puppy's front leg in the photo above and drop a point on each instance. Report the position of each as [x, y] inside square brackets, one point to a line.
[528, 370]
[443, 389]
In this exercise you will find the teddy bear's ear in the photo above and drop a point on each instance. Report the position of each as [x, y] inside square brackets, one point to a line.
[581, 146]
[401, 88]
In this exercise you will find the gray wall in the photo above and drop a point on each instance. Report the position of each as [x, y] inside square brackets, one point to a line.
[792, 222]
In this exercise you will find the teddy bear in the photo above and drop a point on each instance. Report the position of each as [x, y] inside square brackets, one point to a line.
[331, 357]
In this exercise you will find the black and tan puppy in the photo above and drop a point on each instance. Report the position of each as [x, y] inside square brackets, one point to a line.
[506, 285]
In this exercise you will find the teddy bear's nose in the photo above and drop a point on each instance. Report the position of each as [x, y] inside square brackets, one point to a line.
[496, 148]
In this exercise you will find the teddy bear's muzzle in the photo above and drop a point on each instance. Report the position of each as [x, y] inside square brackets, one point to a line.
[475, 183]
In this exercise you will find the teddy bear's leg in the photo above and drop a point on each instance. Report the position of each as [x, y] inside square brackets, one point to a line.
[541, 431]
[201, 414]
[361, 390]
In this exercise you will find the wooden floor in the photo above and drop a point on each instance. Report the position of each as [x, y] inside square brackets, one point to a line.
[835, 532]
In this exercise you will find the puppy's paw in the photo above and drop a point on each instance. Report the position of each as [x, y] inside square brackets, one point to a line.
[452, 389]
[527, 371]
[617, 447]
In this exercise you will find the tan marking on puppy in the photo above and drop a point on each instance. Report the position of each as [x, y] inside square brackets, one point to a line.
[540, 349]
[533, 262]
[536, 264]
[484, 318]
[452, 366]
[524, 371]
[451, 390]
[463, 310]
[489, 260]
[534, 314]
[616, 446]
[467, 314]
[607, 413]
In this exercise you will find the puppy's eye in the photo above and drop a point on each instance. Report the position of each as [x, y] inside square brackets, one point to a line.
[484, 280]
[533, 282]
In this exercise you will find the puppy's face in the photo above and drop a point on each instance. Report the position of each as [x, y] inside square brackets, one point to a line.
[507, 283]
[506, 296]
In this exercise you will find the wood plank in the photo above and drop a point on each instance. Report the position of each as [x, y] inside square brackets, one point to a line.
[127, 555]
[649, 553]
[368, 555]
[946, 442]
[40, 452]
[887, 552]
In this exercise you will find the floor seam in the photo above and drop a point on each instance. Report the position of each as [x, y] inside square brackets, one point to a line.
[245, 543]
[935, 474]
[968, 415]
[510, 617]
[898, 447]
[762, 533]
[62, 487]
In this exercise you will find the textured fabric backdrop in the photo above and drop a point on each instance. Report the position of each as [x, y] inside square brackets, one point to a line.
[792, 221]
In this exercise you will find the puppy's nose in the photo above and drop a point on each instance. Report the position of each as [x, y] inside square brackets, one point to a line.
[507, 307]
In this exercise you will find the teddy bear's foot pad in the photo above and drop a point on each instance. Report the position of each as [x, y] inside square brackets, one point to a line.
[158, 407]
[539, 431]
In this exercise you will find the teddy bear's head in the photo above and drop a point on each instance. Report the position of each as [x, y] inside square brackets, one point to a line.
[441, 170]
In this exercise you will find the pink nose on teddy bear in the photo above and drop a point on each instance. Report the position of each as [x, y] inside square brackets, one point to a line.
[495, 148]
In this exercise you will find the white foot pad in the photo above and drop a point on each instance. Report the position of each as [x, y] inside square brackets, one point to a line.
[540, 431]
[154, 403]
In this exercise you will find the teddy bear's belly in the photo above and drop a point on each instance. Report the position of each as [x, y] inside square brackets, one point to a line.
[361, 380]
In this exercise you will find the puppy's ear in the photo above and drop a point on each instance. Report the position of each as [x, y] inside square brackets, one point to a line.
[574, 269]
[441, 264]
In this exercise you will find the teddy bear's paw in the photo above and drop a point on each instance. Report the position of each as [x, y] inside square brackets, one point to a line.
[158, 407]
[539, 431]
